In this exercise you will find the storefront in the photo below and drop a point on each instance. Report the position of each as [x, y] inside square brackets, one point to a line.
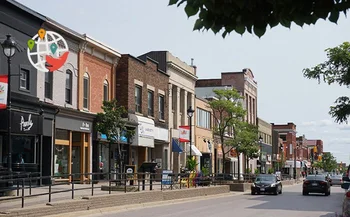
[27, 131]
[72, 148]
[160, 152]
[143, 141]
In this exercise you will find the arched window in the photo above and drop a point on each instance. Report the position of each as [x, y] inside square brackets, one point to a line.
[69, 85]
[105, 91]
[86, 90]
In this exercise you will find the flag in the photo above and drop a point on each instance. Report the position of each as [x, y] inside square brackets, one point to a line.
[3, 91]
[184, 132]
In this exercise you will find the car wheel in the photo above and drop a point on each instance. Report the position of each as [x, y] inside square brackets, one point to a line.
[276, 192]
[252, 192]
[280, 191]
[305, 193]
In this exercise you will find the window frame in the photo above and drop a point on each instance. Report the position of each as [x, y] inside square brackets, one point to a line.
[86, 99]
[138, 99]
[69, 88]
[150, 103]
[203, 118]
[48, 85]
[26, 80]
[161, 107]
[105, 90]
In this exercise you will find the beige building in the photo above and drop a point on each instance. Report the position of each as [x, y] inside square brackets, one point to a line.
[204, 135]
[181, 95]
[265, 134]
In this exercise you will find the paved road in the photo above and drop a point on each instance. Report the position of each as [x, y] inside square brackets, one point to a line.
[290, 204]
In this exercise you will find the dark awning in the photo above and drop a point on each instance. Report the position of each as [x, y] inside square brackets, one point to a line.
[175, 146]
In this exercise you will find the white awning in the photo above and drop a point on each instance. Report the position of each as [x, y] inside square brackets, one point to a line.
[144, 135]
[195, 150]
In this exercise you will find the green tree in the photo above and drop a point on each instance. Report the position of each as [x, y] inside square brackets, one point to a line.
[246, 141]
[329, 163]
[227, 113]
[112, 122]
[256, 16]
[335, 70]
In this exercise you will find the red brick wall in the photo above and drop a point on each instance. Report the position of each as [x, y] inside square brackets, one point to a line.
[233, 79]
[98, 71]
[129, 69]
[208, 82]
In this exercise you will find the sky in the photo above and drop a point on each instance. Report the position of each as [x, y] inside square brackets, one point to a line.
[276, 60]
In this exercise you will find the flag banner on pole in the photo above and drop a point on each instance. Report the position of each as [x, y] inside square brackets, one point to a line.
[3, 91]
[184, 132]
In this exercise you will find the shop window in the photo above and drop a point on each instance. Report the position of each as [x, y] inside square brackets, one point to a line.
[165, 161]
[23, 149]
[87, 137]
[76, 137]
[61, 160]
[62, 134]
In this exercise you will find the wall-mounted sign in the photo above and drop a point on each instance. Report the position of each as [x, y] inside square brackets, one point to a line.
[85, 126]
[26, 124]
[184, 133]
[146, 130]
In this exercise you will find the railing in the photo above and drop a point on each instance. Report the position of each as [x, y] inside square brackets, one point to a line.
[120, 181]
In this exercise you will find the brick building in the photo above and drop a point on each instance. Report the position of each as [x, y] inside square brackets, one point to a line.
[142, 88]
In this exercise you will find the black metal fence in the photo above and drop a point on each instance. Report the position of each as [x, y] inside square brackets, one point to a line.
[125, 182]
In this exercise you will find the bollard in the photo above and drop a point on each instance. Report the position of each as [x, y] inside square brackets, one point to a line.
[72, 188]
[50, 191]
[22, 193]
[92, 186]
[124, 184]
[17, 188]
[30, 186]
[109, 183]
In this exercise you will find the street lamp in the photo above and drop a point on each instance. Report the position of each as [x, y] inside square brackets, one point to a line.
[9, 48]
[190, 113]
[260, 143]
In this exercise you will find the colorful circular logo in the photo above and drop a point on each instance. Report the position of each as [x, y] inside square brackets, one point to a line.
[47, 51]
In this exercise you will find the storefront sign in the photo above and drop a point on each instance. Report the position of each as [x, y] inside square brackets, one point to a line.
[85, 126]
[26, 123]
[146, 130]
[73, 124]
[130, 171]
[3, 91]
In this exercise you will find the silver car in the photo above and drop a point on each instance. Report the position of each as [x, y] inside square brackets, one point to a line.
[336, 179]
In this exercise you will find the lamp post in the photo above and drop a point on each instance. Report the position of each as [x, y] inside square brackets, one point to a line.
[190, 113]
[295, 161]
[281, 151]
[260, 143]
[9, 49]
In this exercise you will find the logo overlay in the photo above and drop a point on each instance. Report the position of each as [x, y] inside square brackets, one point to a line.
[47, 51]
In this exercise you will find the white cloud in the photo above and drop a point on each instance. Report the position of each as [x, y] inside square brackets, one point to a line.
[344, 127]
[321, 123]
[309, 123]
[326, 122]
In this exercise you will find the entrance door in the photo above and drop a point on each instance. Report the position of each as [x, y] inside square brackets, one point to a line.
[76, 161]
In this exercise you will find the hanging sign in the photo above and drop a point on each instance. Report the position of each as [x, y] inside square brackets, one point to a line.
[184, 132]
[3, 91]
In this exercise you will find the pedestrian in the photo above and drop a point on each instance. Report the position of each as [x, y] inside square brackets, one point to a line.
[153, 176]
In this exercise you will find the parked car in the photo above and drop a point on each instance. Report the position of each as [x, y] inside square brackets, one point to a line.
[316, 184]
[266, 183]
[346, 199]
[336, 179]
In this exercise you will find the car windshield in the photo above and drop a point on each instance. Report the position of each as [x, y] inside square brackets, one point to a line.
[265, 179]
[336, 177]
[316, 177]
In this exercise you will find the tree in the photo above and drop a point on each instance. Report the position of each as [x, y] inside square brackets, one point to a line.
[112, 123]
[255, 16]
[335, 70]
[329, 162]
[246, 141]
[227, 113]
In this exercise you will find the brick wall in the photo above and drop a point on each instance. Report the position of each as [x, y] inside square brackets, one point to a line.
[98, 71]
[130, 69]
[208, 82]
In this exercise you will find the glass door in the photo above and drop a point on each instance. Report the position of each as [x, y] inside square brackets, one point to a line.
[76, 157]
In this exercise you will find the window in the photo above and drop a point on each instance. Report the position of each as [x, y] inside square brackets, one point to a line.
[161, 107]
[69, 86]
[23, 149]
[105, 91]
[283, 137]
[48, 85]
[86, 87]
[150, 103]
[203, 118]
[138, 100]
[24, 79]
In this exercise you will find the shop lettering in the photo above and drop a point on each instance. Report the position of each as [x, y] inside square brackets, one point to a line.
[85, 126]
[26, 125]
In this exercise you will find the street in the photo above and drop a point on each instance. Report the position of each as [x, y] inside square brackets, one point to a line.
[290, 204]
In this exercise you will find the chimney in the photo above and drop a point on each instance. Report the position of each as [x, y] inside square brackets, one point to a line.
[195, 70]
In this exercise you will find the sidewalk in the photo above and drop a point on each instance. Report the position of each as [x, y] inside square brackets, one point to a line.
[56, 197]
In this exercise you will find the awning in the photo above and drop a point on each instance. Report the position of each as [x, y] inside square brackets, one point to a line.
[195, 150]
[144, 135]
[175, 146]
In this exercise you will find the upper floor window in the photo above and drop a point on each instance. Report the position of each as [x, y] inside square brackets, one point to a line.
[86, 91]
[138, 99]
[69, 76]
[203, 118]
[161, 107]
[24, 79]
[105, 91]
[48, 85]
[150, 103]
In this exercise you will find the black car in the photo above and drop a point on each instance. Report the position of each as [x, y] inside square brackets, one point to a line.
[316, 184]
[266, 184]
